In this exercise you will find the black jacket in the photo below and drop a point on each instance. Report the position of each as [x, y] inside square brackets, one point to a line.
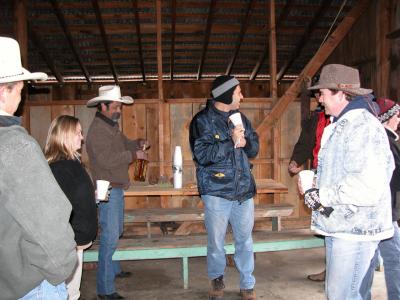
[222, 170]
[395, 181]
[78, 187]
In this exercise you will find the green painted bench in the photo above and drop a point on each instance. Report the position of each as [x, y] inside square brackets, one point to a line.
[190, 214]
[196, 246]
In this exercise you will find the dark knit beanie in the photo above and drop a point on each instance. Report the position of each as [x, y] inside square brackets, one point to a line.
[223, 87]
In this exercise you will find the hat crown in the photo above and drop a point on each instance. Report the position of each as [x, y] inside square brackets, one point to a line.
[340, 75]
[10, 58]
[110, 91]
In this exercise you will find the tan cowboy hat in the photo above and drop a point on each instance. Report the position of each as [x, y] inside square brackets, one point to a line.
[341, 78]
[109, 93]
[11, 69]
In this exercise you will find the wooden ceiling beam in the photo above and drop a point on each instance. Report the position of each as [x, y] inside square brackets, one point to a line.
[263, 55]
[39, 44]
[172, 55]
[207, 32]
[100, 23]
[243, 29]
[139, 38]
[313, 65]
[63, 24]
[305, 37]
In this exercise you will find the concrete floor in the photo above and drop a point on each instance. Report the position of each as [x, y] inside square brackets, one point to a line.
[279, 275]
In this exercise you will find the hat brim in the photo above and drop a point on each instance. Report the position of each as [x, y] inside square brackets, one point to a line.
[352, 91]
[95, 101]
[25, 76]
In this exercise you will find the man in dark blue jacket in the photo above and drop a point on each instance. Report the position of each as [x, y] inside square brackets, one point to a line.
[226, 185]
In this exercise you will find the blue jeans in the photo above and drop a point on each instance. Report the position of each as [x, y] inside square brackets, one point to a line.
[347, 262]
[111, 220]
[218, 212]
[390, 252]
[47, 291]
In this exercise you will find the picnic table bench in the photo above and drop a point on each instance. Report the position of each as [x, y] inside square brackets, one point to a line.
[196, 246]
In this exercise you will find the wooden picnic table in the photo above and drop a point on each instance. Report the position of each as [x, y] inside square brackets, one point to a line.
[264, 186]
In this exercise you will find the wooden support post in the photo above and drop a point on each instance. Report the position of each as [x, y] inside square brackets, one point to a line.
[313, 65]
[272, 52]
[383, 47]
[160, 89]
[21, 35]
[274, 92]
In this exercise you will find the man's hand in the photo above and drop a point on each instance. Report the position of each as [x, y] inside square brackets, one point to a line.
[143, 144]
[294, 168]
[140, 154]
[311, 199]
[238, 136]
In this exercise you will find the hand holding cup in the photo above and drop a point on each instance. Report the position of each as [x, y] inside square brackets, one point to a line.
[306, 181]
[102, 190]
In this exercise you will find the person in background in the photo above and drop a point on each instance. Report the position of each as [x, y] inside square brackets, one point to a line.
[389, 249]
[351, 200]
[38, 248]
[64, 140]
[221, 152]
[110, 154]
[307, 147]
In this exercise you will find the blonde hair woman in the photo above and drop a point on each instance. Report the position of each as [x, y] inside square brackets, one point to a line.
[64, 141]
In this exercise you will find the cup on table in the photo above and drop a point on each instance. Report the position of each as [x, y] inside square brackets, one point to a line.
[102, 189]
[306, 179]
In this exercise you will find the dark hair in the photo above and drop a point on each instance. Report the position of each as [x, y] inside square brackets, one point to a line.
[348, 96]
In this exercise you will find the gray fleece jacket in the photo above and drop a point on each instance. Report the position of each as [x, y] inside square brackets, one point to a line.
[37, 241]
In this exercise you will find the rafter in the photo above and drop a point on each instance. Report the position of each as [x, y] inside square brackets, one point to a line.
[172, 55]
[313, 65]
[285, 12]
[104, 38]
[303, 40]
[139, 38]
[207, 32]
[61, 20]
[243, 29]
[39, 44]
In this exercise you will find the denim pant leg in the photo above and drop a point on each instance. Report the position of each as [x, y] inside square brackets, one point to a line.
[347, 263]
[216, 216]
[390, 252]
[242, 222]
[110, 229]
[365, 289]
[47, 291]
[116, 263]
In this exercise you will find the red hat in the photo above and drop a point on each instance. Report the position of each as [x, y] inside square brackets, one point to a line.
[387, 109]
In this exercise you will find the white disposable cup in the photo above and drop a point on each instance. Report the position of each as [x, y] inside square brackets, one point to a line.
[102, 188]
[306, 179]
[236, 119]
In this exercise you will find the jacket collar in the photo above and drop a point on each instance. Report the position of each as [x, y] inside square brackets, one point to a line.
[6, 121]
[363, 102]
[105, 119]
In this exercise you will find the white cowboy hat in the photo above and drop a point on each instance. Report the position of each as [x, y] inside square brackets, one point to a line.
[109, 93]
[11, 69]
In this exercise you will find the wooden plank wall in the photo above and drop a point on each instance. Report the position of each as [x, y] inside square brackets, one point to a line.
[141, 120]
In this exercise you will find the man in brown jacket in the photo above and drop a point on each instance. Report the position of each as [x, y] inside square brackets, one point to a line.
[110, 154]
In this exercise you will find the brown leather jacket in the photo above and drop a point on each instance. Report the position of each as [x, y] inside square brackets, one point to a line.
[110, 151]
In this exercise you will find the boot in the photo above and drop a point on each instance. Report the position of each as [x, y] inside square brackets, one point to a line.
[248, 294]
[217, 289]
[317, 277]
